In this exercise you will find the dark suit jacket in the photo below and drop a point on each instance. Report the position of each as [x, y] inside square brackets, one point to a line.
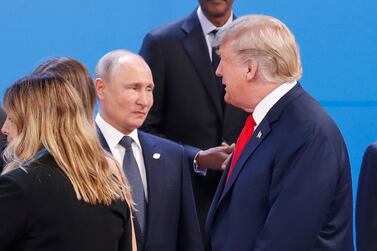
[290, 189]
[187, 107]
[171, 223]
[3, 138]
[39, 211]
[366, 206]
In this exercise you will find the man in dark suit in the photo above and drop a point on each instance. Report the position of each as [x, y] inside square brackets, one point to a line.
[288, 184]
[188, 97]
[165, 216]
[366, 206]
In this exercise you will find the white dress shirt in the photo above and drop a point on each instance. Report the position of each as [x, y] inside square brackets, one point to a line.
[270, 100]
[113, 136]
[208, 27]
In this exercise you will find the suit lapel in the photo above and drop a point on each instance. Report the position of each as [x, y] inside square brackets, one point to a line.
[260, 133]
[155, 179]
[195, 45]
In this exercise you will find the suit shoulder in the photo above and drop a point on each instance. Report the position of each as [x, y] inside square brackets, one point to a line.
[309, 122]
[160, 141]
[307, 110]
[26, 176]
[170, 31]
[370, 157]
[372, 149]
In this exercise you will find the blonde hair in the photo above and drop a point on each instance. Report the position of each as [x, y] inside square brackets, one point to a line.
[48, 112]
[266, 41]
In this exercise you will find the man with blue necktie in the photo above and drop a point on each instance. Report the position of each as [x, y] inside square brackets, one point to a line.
[157, 169]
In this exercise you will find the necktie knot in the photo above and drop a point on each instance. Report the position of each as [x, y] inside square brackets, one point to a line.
[126, 142]
[250, 122]
[215, 41]
[214, 32]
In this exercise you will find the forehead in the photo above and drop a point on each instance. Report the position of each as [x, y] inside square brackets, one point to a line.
[132, 72]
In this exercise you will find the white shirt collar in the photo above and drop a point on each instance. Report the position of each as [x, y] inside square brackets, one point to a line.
[112, 135]
[270, 100]
[207, 26]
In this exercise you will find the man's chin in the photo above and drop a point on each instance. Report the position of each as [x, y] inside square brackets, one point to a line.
[227, 99]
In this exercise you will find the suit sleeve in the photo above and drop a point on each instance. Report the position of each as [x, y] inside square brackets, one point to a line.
[152, 54]
[366, 205]
[312, 185]
[12, 213]
[189, 236]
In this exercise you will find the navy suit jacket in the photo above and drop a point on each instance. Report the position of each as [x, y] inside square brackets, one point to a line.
[172, 223]
[290, 189]
[187, 106]
[366, 206]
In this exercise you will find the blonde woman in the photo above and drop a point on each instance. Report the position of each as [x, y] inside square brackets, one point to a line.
[58, 190]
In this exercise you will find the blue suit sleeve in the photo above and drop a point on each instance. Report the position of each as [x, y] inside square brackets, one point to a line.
[366, 205]
[12, 213]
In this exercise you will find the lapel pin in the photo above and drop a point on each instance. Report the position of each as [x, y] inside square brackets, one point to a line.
[156, 155]
[259, 135]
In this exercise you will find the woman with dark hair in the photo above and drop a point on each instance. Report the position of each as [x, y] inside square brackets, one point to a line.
[59, 191]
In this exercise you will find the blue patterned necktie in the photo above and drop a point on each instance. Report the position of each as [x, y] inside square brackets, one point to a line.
[133, 176]
[215, 63]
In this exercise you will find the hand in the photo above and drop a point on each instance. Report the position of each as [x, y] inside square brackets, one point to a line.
[215, 158]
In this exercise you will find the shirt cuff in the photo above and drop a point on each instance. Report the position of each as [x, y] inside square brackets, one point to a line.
[197, 169]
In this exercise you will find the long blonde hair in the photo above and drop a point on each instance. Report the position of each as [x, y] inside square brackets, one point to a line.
[78, 76]
[48, 112]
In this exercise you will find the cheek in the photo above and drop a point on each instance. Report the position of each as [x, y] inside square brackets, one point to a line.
[150, 99]
[13, 132]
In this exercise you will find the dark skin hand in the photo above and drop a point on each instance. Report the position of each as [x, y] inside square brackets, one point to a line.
[215, 158]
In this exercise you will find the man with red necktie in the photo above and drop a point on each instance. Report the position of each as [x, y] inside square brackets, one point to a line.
[288, 185]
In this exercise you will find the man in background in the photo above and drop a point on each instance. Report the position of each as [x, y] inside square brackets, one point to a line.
[189, 103]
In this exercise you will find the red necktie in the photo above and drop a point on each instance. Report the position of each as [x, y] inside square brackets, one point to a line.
[242, 140]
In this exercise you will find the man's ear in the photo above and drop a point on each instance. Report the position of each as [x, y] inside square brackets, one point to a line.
[100, 86]
[251, 70]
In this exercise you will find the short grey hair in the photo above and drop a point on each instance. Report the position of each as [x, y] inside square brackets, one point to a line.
[107, 63]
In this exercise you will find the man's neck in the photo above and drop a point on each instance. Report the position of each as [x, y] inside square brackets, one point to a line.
[218, 21]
